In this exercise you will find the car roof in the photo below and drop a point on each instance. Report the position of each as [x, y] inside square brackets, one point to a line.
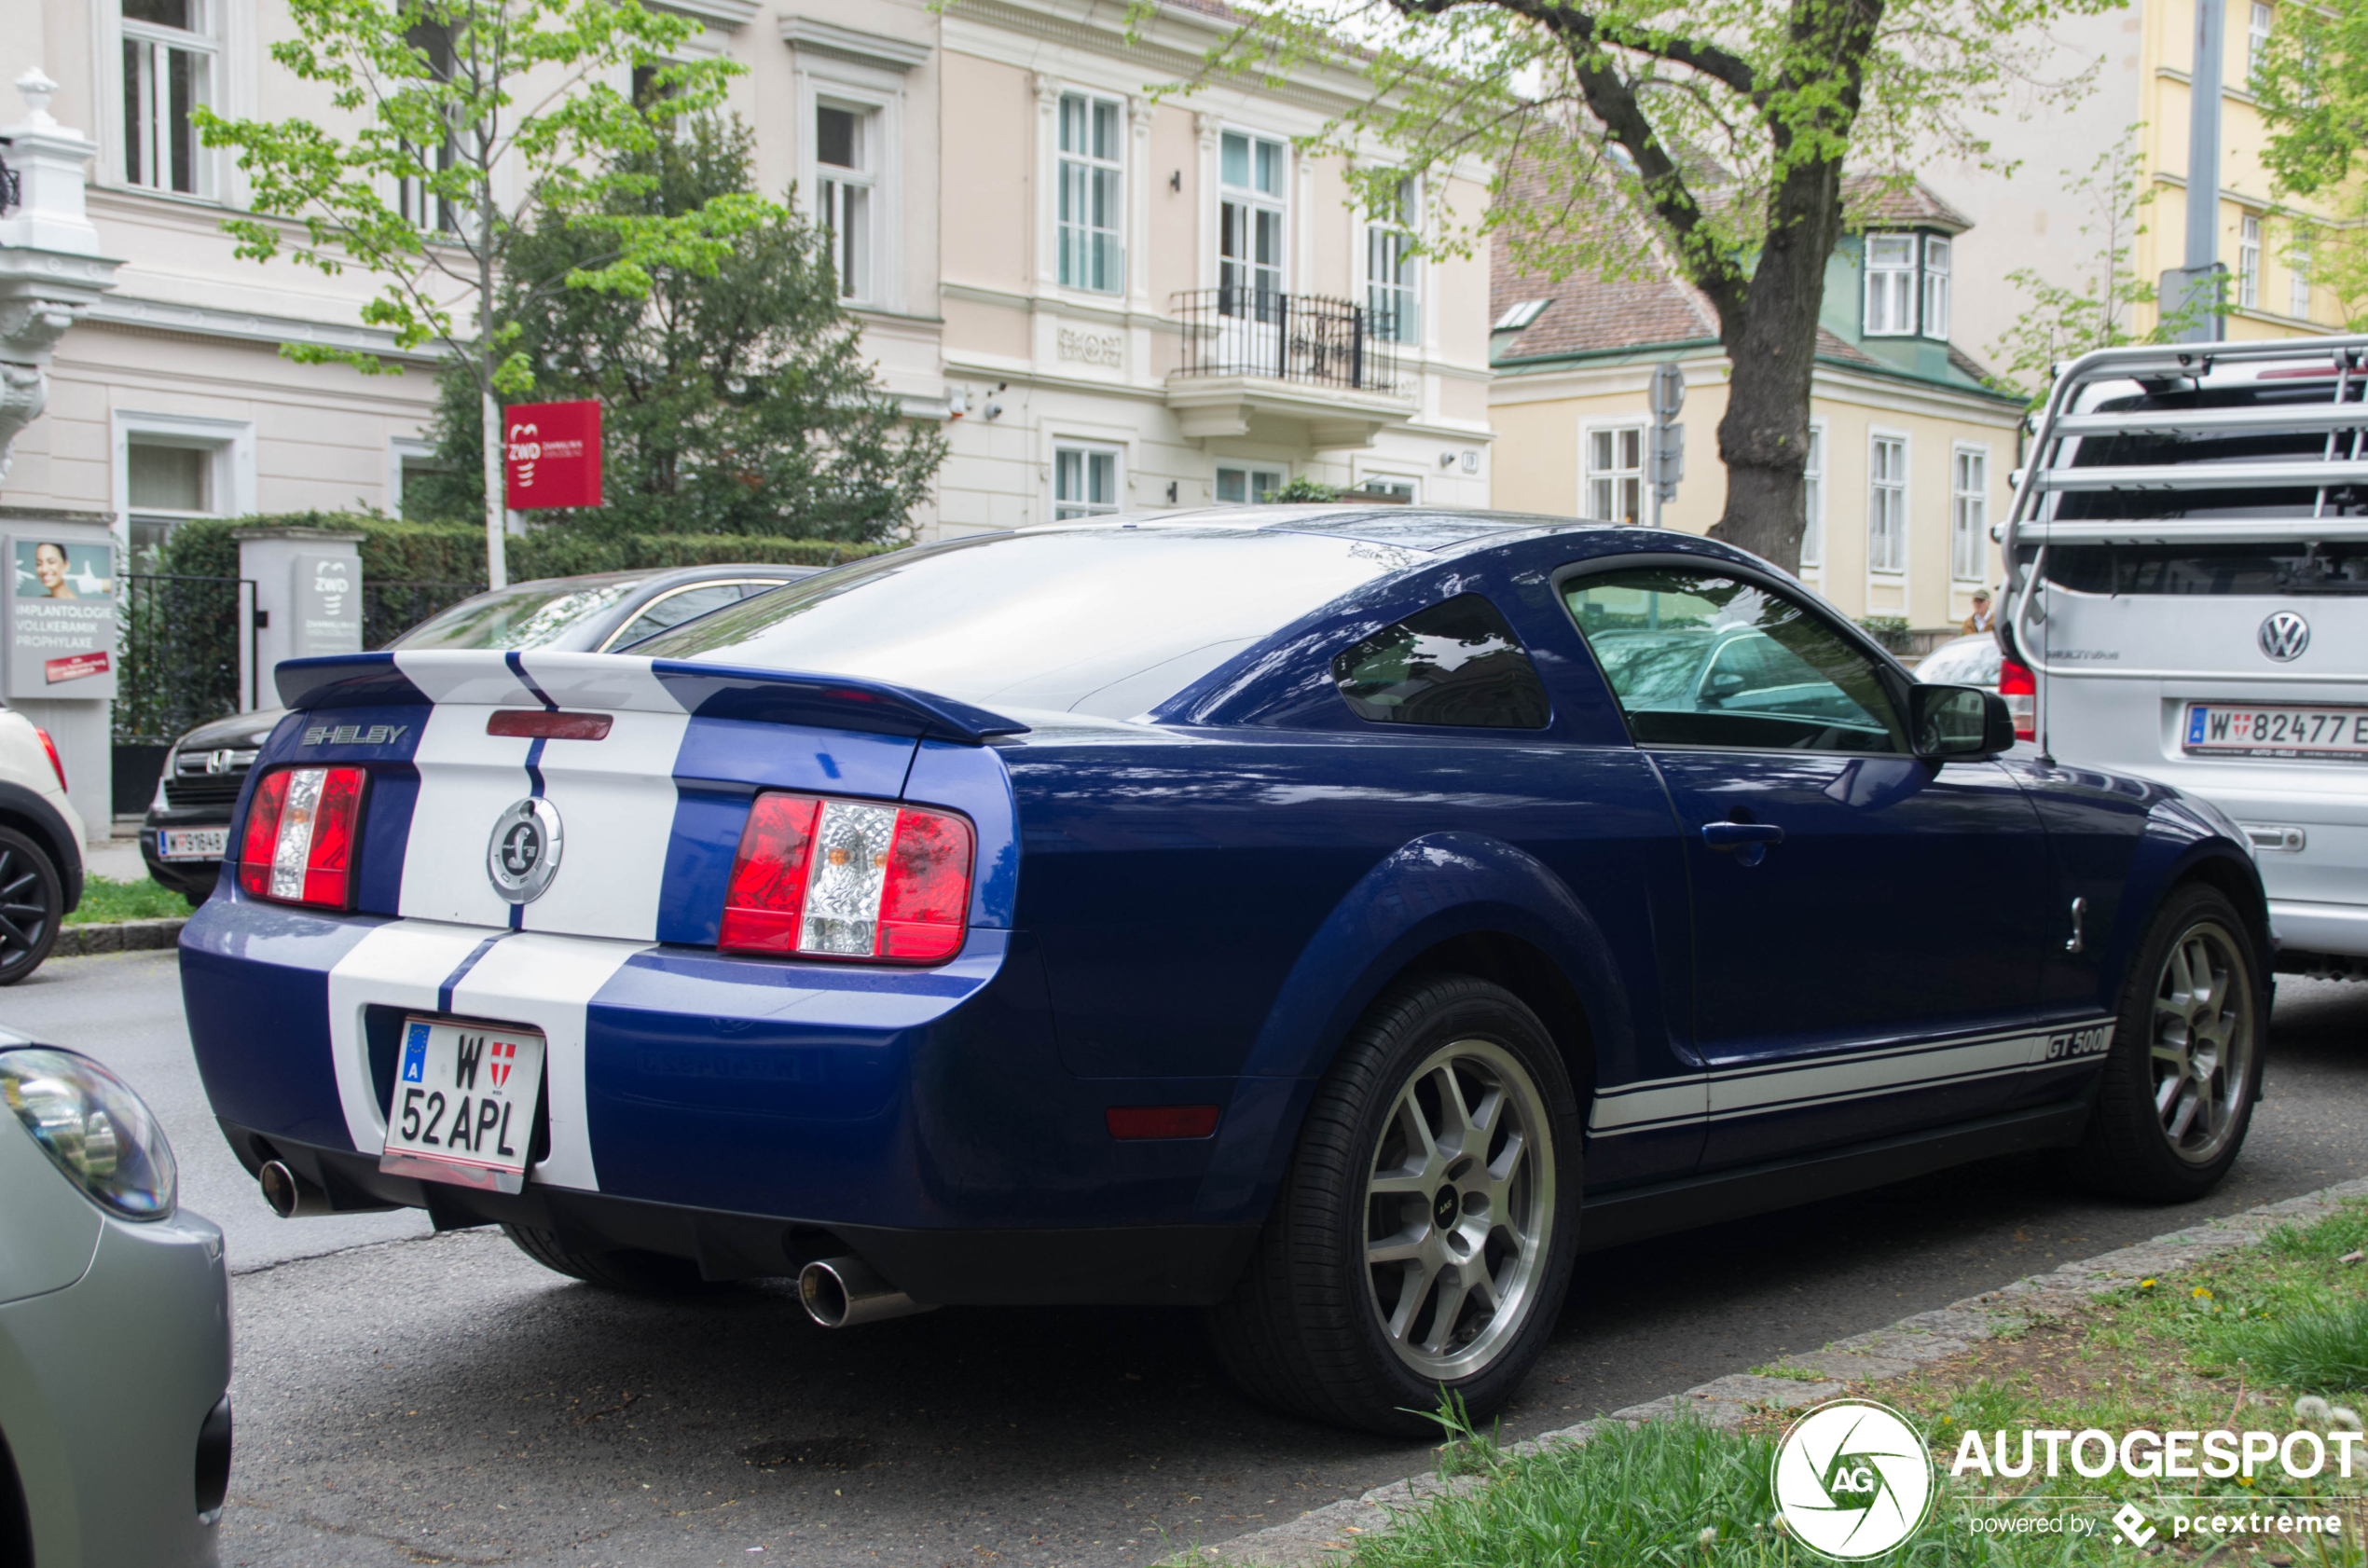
[1436, 530]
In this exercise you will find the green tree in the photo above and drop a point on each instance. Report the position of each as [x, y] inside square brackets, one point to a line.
[2312, 87]
[735, 399]
[1720, 129]
[458, 119]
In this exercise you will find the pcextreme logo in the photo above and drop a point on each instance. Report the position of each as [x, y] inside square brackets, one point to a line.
[1852, 1479]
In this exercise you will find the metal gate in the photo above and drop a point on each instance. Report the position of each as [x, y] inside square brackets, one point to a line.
[187, 651]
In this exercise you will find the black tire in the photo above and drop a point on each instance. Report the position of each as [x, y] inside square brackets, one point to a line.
[31, 902]
[1303, 1332]
[626, 1270]
[2129, 1148]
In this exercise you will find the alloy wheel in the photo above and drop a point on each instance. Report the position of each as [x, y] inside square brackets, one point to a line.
[1459, 1210]
[2203, 1041]
[24, 915]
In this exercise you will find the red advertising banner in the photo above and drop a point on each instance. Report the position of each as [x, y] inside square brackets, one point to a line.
[75, 666]
[553, 454]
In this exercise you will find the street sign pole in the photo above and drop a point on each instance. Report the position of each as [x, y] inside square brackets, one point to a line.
[1667, 463]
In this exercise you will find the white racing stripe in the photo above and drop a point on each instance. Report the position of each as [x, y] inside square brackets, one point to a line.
[467, 777]
[547, 982]
[1763, 1088]
[615, 798]
[401, 964]
[464, 675]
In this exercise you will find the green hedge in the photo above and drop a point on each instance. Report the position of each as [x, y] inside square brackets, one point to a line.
[400, 552]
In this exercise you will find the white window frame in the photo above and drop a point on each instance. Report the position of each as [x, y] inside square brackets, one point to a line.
[1084, 165]
[400, 449]
[1252, 470]
[1968, 513]
[1891, 289]
[229, 478]
[1388, 241]
[2256, 39]
[1620, 473]
[2249, 261]
[1369, 477]
[1813, 536]
[1878, 488]
[1277, 200]
[825, 82]
[2298, 263]
[1087, 448]
[1938, 259]
[116, 32]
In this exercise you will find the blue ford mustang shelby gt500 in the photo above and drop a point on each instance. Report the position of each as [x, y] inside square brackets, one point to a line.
[1333, 918]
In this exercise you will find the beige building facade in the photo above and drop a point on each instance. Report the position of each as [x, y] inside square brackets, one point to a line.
[2142, 54]
[1111, 300]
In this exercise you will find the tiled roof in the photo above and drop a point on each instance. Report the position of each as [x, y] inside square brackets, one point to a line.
[1911, 205]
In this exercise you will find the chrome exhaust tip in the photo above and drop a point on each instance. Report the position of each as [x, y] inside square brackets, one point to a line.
[290, 1195]
[846, 1293]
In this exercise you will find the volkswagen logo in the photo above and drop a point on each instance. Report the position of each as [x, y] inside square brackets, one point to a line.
[523, 855]
[2284, 636]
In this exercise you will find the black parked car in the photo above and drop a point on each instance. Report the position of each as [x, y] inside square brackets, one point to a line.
[188, 823]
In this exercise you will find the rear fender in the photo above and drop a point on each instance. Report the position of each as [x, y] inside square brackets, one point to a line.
[1439, 886]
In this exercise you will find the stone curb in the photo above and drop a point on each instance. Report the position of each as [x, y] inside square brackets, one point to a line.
[1322, 1533]
[117, 936]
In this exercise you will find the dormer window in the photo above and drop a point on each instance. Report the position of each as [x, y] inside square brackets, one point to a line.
[1907, 283]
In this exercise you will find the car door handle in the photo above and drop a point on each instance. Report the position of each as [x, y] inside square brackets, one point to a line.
[1735, 835]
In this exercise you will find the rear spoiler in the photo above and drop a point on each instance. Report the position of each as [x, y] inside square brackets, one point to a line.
[614, 681]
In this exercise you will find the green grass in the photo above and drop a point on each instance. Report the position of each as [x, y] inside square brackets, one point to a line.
[105, 901]
[2230, 1342]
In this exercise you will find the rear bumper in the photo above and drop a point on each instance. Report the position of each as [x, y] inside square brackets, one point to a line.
[752, 1113]
[1170, 1265]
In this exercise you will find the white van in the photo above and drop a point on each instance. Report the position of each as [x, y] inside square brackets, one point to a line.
[2187, 577]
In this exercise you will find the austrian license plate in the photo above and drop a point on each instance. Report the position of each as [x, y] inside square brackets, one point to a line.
[2216, 729]
[193, 844]
[463, 1107]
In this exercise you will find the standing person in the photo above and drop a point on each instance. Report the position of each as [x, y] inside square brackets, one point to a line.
[1981, 619]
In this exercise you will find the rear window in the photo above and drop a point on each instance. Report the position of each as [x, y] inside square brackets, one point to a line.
[527, 617]
[1104, 621]
[2271, 567]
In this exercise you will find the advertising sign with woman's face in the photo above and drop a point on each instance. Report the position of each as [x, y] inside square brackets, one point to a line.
[47, 568]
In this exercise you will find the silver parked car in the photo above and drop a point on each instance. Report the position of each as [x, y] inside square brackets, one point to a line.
[115, 1329]
[1971, 660]
[2188, 564]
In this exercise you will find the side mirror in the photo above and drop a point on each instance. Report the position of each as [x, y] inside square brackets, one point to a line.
[1723, 684]
[1957, 721]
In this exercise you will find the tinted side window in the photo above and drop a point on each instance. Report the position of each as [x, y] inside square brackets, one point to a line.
[1455, 664]
[1700, 659]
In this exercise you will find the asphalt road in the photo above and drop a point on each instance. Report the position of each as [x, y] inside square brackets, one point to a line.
[376, 1384]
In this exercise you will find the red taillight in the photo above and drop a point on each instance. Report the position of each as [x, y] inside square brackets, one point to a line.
[51, 746]
[818, 878]
[301, 832]
[2020, 688]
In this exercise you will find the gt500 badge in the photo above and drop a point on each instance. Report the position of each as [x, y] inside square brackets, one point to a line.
[2080, 1042]
[523, 855]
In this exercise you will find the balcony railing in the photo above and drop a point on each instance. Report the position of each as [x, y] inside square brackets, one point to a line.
[1309, 338]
